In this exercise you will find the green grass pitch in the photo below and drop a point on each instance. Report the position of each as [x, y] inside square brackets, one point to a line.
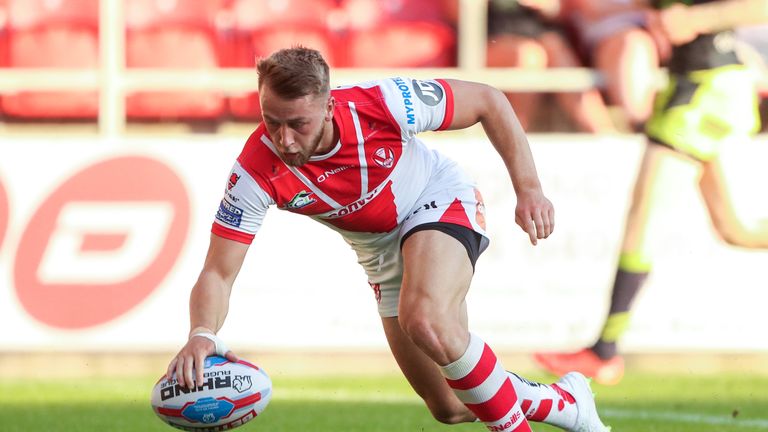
[641, 403]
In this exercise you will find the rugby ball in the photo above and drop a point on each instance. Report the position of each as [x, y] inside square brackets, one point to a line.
[230, 395]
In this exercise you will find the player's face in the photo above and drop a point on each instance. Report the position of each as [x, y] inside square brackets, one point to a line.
[298, 127]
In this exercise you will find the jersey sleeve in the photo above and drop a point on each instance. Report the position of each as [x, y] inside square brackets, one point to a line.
[419, 105]
[243, 207]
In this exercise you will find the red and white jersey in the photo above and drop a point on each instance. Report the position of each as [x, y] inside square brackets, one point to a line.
[368, 183]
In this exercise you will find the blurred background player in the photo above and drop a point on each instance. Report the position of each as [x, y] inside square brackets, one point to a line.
[528, 34]
[710, 101]
[613, 38]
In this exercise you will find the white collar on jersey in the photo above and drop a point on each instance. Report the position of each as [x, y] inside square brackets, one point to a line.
[332, 152]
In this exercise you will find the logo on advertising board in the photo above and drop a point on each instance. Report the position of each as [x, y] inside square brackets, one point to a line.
[101, 242]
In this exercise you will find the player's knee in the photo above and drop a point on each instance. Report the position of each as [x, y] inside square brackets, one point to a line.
[419, 326]
[731, 238]
[731, 235]
[741, 238]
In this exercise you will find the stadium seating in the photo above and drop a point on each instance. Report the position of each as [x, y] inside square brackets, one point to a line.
[256, 14]
[51, 34]
[373, 13]
[207, 34]
[261, 27]
[408, 44]
[261, 43]
[398, 33]
[178, 34]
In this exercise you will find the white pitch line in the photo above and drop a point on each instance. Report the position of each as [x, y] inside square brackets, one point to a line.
[685, 418]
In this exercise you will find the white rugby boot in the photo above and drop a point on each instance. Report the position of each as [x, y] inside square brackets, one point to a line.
[587, 419]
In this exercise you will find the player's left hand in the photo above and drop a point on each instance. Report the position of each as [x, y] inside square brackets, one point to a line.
[535, 214]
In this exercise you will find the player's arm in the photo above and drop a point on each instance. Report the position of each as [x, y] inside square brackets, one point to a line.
[480, 103]
[208, 306]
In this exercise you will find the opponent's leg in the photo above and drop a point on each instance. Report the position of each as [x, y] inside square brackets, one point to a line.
[601, 361]
[629, 61]
[728, 224]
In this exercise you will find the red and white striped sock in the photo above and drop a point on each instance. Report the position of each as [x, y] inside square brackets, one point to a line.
[549, 404]
[479, 380]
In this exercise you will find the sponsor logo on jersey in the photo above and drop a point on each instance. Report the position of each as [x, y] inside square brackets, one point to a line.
[229, 213]
[357, 205]
[384, 157]
[427, 206]
[301, 199]
[233, 178]
[326, 175]
[405, 92]
[429, 93]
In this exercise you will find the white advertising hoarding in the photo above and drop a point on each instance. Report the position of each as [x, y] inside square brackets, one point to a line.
[101, 241]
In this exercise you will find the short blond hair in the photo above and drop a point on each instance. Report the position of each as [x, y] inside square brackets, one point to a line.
[295, 72]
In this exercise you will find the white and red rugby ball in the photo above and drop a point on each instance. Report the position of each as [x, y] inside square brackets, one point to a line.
[230, 395]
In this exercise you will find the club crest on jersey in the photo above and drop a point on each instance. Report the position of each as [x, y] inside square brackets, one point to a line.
[233, 178]
[301, 199]
[384, 157]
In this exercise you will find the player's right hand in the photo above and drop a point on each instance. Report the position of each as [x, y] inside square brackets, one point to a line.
[192, 358]
[535, 214]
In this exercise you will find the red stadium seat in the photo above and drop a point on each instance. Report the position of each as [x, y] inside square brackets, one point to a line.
[264, 26]
[261, 43]
[174, 34]
[365, 14]
[251, 15]
[429, 44]
[60, 34]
